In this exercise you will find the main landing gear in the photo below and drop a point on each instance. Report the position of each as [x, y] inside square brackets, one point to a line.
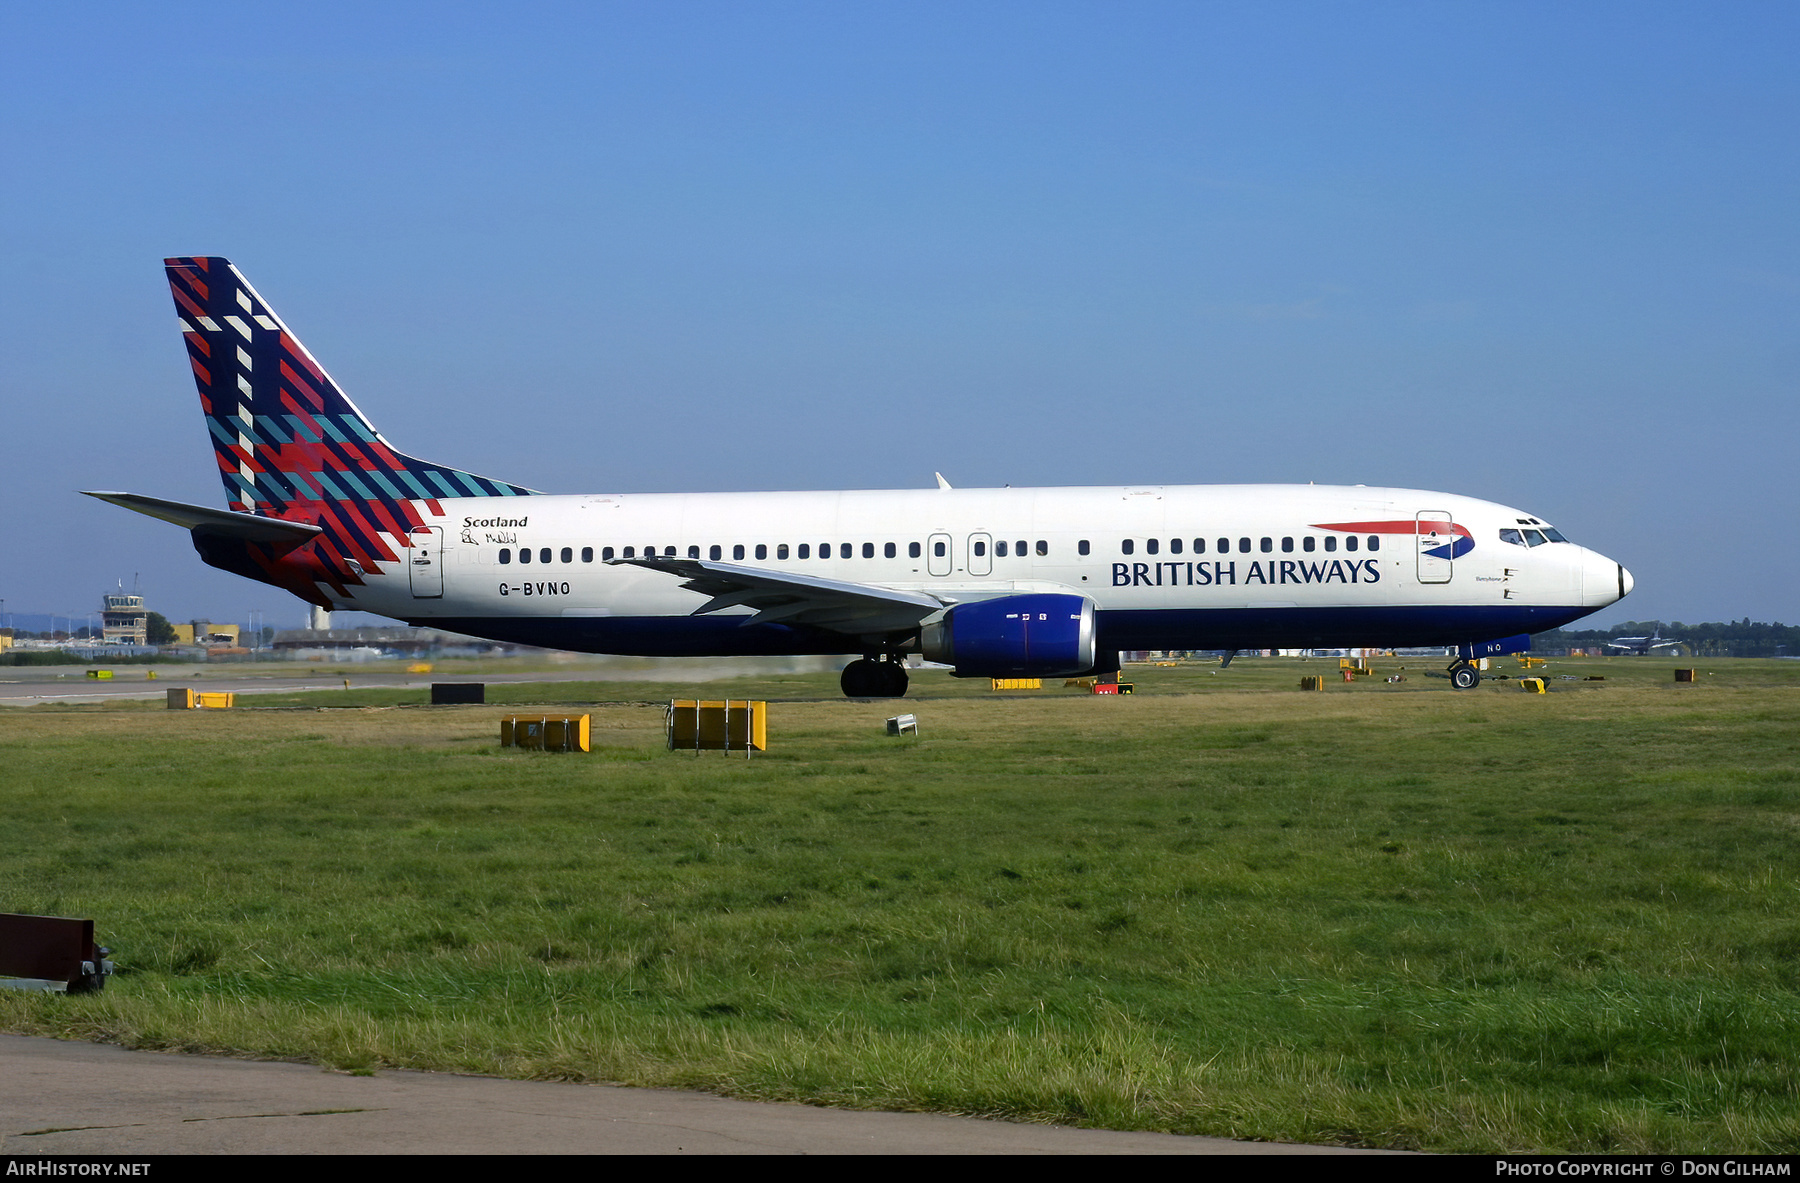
[1464, 675]
[869, 677]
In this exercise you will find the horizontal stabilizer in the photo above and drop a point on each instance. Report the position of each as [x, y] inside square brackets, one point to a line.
[247, 526]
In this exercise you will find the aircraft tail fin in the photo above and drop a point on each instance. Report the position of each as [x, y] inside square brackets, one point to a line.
[291, 445]
[285, 434]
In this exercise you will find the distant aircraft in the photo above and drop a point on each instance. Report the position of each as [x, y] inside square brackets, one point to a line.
[993, 582]
[1642, 646]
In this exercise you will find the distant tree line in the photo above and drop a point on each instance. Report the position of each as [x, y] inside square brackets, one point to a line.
[1733, 638]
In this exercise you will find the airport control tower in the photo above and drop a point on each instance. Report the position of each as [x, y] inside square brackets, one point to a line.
[124, 620]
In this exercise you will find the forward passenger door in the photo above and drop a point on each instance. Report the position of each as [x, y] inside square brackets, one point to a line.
[1433, 534]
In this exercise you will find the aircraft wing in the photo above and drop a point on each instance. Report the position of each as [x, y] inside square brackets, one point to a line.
[856, 608]
[248, 526]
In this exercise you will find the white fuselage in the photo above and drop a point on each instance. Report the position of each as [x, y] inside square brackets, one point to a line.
[1167, 566]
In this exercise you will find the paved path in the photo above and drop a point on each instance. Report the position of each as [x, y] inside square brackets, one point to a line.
[67, 1098]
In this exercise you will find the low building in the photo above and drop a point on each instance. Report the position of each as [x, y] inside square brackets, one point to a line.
[205, 632]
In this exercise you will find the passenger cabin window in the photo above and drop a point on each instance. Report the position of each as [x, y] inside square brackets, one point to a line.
[781, 550]
[568, 554]
[1308, 543]
[1019, 549]
[868, 550]
[1243, 546]
[1287, 546]
[524, 554]
[1224, 546]
[1043, 548]
[1081, 548]
[1268, 544]
[505, 556]
[737, 551]
[1330, 542]
[1199, 546]
[1374, 542]
[762, 550]
[606, 552]
[715, 552]
[544, 555]
[1000, 550]
[631, 552]
[980, 549]
[1152, 545]
[804, 551]
[844, 551]
[937, 550]
[889, 551]
[912, 550]
[1174, 546]
[1127, 547]
[587, 554]
[1350, 542]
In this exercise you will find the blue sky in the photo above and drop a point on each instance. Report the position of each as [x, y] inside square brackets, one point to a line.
[1542, 254]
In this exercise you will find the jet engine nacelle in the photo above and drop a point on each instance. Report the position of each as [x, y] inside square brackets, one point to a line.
[1037, 635]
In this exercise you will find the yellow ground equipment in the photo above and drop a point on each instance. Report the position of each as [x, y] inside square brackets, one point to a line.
[1312, 682]
[545, 733]
[197, 700]
[1018, 683]
[1532, 685]
[728, 726]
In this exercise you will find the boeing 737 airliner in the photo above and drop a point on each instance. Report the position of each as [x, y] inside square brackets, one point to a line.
[993, 582]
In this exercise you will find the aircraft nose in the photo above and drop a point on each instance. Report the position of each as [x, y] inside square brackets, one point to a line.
[1604, 581]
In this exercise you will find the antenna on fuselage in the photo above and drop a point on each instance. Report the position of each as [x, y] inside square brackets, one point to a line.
[942, 483]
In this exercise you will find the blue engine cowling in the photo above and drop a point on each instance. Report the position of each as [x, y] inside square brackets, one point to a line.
[1038, 635]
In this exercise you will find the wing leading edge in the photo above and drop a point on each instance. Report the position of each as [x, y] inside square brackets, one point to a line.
[856, 608]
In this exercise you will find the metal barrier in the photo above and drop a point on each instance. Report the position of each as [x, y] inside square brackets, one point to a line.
[545, 733]
[719, 726]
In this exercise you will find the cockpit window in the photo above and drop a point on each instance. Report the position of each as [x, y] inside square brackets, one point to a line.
[1553, 534]
[1534, 538]
[1513, 536]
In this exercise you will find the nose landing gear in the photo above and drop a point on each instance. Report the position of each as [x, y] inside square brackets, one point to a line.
[1464, 675]
[874, 677]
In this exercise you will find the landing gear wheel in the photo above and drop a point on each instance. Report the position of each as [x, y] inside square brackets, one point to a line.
[1464, 676]
[864, 678]
[859, 679]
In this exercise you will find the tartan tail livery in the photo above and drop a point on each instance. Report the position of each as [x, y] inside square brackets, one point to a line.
[318, 498]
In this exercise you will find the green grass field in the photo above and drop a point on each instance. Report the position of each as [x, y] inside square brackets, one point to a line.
[1381, 915]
